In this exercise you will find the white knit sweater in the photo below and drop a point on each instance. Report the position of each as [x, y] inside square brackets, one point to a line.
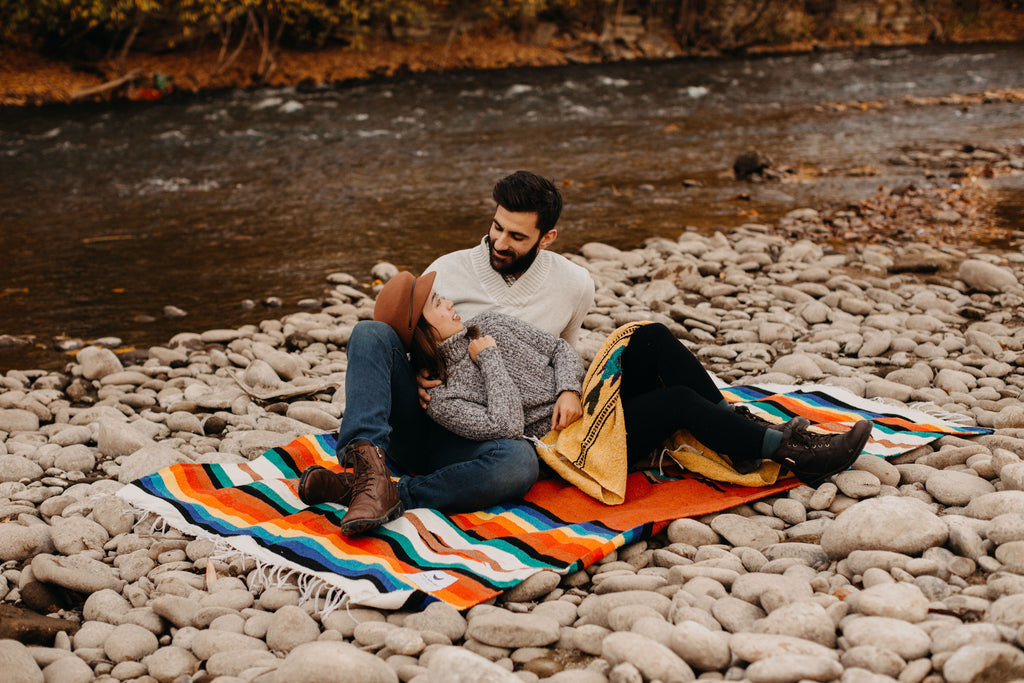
[553, 295]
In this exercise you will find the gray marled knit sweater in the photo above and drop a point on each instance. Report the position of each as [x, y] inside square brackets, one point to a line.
[510, 391]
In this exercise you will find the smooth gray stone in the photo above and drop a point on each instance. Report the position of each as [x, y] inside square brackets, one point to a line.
[118, 438]
[17, 663]
[988, 661]
[335, 661]
[17, 468]
[73, 535]
[501, 628]
[106, 606]
[951, 487]
[807, 620]
[345, 621]
[178, 610]
[751, 647]
[533, 587]
[68, 670]
[875, 659]
[894, 523]
[129, 642]
[793, 668]
[97, 362]
[1004, 528]
[207, 643]
[290, 627]
[987, 277]
[653, 660]
[700, 647]
[233, 663]
[17, 420]
[148, 460]
[78, 573]
[1007, 611]
[595, 609]
[809, 554]
[903, 601]
[440, 617]
[954, 637]
[19, 543]
[742, 531]
[691, 532]
[736, 615]
[991, 505]
[449, 664]
[770, 590]
[905, 639]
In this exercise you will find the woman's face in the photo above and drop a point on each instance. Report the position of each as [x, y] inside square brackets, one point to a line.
[441, 315]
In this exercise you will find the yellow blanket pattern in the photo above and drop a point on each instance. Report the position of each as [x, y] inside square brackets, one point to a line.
[591, 452]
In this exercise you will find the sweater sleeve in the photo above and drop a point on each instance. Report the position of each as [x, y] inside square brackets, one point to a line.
[567, 364]
[501, 417]
[571, 332]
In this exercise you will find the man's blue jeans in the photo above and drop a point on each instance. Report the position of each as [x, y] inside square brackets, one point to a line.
[438, 469]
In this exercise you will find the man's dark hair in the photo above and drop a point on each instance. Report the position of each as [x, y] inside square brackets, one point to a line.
[524, 192]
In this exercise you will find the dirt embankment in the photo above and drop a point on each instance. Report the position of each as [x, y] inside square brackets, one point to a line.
[29, 78]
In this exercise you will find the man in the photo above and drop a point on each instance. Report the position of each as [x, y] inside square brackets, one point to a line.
[510, 271]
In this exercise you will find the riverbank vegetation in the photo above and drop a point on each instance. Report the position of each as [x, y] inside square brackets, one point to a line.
[62, 50]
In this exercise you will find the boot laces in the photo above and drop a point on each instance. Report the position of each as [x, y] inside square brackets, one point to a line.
[810, 440]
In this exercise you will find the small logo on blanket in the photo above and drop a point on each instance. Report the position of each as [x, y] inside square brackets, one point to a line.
[433, 580]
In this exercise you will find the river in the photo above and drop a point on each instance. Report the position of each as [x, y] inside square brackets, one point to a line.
[108, 213]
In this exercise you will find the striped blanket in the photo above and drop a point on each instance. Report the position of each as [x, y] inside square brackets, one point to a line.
[252, 508]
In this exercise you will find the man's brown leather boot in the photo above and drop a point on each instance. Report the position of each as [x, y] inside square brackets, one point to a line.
[321, 485]
[374, 496]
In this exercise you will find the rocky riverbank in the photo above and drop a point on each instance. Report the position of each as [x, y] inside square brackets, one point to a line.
[908, 570]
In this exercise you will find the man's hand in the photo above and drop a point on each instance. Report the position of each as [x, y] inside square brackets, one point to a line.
[424, 382]
[479, 344]
[568, 409]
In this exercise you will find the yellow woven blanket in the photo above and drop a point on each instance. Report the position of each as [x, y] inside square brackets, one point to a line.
[591, 452]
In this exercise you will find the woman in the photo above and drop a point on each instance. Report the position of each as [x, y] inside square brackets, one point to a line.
[505, 379]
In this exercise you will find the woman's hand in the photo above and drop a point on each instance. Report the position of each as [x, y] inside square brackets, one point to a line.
[479, 344]
[568, 409]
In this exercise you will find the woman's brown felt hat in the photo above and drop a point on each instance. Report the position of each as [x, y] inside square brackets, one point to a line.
[401, 301]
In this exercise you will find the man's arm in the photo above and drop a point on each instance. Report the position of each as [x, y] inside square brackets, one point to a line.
[584, 303]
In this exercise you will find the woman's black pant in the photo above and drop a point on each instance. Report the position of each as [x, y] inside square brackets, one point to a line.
[665, 388]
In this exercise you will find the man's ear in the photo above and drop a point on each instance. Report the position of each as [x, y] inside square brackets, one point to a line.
[548, 238]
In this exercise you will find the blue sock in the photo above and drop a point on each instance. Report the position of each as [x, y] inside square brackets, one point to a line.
[770, 443]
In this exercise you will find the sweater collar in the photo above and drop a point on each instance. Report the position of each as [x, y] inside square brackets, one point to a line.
[518, 293]
[454, 348]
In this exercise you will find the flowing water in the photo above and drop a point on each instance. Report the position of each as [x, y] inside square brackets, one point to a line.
[109, 213]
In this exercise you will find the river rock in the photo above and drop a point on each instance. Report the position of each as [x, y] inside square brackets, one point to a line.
[501, 628]
[79, 573]
[437, 616]
[1003, 528]
[951, 487]
[1008, 611]
[534, 587]
[335, 661]
[70, 669]
[743, 532]
[807, 620]
[72, 535]
[116, 438]
[991, 505]
[20, 543]
[171, 663]
[986, 277]
[902, 601]
[97, 362]
[596, 608]
[17, 468]
[691, 532]
[751, 647]
[17, 663]
[291, 627]
[895, 523]
[700, 647]
[148, 460]
[905, 639]
[17, 420]
[458, 665]
[793, 668]
[653, 660]
[984, 662]
[129, 642]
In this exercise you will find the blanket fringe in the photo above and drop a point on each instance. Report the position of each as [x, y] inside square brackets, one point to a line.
[266, 574]
[938, 411]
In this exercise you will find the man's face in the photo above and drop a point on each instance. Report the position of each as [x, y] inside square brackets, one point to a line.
[514, 241]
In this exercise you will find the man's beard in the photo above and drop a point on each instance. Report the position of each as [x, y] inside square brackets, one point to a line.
[515, 267]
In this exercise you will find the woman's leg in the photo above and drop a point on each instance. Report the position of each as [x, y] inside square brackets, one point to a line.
[653, 416]
[655, 358]
[665, 388]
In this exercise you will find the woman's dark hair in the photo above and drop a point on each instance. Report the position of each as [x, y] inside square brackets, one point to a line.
[525, 192]
[423, 350]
